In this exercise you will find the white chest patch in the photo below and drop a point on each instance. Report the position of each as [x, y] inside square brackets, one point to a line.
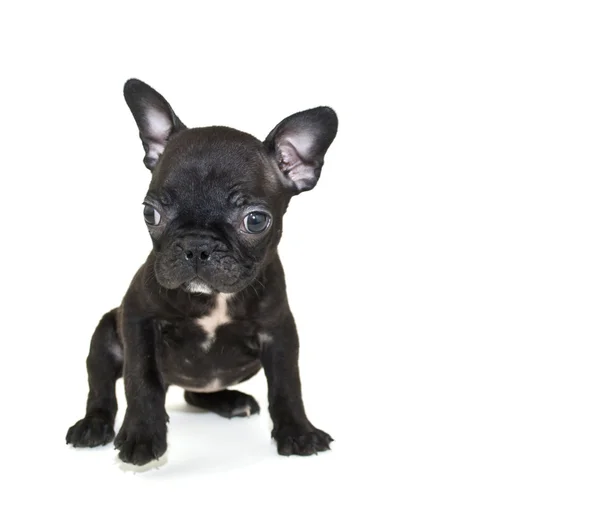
[217, 317]
[264, 338]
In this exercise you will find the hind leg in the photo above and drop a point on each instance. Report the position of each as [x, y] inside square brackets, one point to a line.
[104, 366]
[226, 403]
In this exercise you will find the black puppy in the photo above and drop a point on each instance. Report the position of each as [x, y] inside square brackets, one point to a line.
[208, 308]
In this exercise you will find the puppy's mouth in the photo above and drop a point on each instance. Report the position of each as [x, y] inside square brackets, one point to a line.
[197, 286]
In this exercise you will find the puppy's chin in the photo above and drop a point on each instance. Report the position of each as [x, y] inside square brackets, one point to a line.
[200, 286]
[197, 286]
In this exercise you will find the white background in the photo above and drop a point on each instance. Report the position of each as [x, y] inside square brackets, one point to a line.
[444, 273]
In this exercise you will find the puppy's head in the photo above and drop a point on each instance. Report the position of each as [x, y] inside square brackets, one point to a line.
[217, 196]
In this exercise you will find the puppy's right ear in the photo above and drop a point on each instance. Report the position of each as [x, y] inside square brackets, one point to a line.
[154, 117]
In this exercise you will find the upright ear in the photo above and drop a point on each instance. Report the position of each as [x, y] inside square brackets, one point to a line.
[154, 117]
[299, 144]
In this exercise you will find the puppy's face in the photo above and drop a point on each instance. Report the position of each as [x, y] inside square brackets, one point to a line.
[217, 197]
[214, 210]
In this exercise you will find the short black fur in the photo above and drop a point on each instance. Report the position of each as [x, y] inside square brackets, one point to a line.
[208, 309]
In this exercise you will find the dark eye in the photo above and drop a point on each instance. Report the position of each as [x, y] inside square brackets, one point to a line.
[256, 222]
[151, 215]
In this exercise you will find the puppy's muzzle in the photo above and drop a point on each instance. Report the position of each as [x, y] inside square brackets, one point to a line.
[197, 251]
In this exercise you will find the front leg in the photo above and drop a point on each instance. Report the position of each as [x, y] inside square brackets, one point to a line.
[292, 430]
[143, 435]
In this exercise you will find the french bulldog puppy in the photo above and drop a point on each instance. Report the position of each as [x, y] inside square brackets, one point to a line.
[208, 309]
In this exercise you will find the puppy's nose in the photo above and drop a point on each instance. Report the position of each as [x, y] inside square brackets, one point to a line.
[197, 250]
[203, 254]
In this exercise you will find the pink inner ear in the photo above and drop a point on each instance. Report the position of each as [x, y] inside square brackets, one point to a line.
[292, 164]
[288, 156]
[159, 125]
[303, 143]
[159, 129]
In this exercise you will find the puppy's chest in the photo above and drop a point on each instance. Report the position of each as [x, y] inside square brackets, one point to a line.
[219, 329]
[217, 317]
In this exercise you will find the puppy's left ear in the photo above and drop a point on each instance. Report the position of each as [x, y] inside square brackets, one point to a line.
[299, 144]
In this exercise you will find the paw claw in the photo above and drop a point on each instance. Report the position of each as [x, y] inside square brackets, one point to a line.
[90, 432]
[138, 446]
[295, 441]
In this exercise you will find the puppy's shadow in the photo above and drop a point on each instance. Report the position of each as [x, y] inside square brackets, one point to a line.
[202, 442]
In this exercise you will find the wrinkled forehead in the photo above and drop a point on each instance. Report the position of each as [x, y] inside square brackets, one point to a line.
[217, 163]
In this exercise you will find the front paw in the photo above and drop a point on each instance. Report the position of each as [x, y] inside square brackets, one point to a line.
[295, 440]
[139, 444]
[90, 431]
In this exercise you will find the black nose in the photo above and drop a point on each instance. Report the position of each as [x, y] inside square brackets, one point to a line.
[197, 249]
[203, 254]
